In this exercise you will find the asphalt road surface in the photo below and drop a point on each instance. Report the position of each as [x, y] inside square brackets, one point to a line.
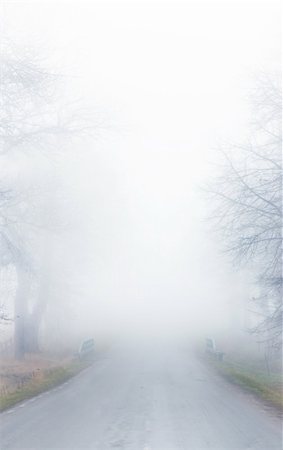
[143, 399]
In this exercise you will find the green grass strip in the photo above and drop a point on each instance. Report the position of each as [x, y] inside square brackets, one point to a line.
[268, 388]
[51, 378]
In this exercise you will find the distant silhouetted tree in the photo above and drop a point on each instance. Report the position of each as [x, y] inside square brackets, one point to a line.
[31, 121]
[248, 211]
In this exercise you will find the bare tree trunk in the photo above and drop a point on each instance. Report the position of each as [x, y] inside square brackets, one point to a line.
[21, 299]
[31, 334]
[32, 325]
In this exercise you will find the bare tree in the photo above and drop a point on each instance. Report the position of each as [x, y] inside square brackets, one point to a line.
[248, 195]
[31, 120]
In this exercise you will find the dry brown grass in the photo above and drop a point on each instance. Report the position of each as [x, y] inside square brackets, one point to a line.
[15, 374]
[36, 374]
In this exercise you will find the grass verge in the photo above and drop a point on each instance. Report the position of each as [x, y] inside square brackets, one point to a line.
[266, 387]
[48, 379]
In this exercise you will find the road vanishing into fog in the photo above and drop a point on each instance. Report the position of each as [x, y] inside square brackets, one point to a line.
[142, 398]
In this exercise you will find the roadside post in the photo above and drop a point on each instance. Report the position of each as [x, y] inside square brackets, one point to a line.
[86, 349]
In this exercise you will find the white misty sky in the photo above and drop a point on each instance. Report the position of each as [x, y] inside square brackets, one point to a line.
[173, 77]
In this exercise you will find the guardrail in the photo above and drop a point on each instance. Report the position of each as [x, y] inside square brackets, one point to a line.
[211, 349]
[86, 348]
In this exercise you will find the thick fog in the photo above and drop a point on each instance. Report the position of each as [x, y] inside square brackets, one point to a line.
[117, 222]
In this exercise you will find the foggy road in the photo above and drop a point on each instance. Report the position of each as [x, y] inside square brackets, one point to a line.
[140, 399]
[141, 199]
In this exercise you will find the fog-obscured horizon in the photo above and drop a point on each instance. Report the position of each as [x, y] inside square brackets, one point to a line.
[120, 213]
